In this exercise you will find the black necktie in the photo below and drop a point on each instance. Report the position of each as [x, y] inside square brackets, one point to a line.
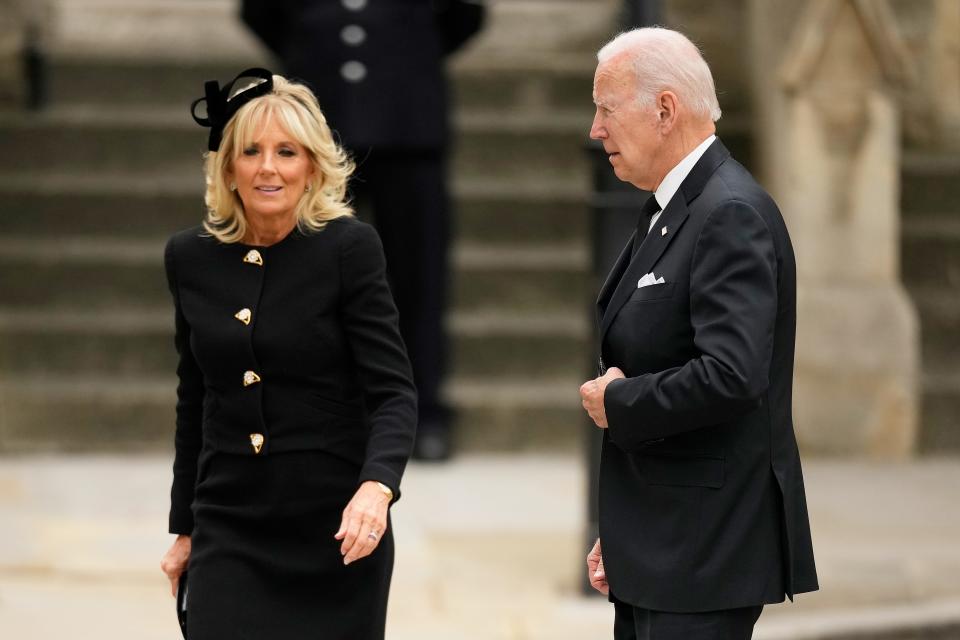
[649, 209]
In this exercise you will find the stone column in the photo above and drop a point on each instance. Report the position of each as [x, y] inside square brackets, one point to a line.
[826, 71]
[942, 73]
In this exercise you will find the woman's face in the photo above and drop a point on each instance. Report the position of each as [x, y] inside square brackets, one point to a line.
[271, 172]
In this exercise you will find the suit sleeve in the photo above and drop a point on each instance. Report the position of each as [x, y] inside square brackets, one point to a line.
[733, 307]
[370, 322]
[190, 393]
[458, 21]
[267, 20]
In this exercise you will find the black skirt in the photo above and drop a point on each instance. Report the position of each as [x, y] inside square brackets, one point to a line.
[264, 563]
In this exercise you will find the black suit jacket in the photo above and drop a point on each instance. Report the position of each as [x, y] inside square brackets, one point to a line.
[401, 101]
[322, 337]
[702, 502]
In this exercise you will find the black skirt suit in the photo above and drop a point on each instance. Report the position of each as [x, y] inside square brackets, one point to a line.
[294, 388]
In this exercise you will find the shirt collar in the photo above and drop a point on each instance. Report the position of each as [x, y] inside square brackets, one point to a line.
[672, 181]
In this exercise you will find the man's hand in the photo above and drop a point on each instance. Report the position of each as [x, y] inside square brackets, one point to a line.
[591, 394]
[595, 572]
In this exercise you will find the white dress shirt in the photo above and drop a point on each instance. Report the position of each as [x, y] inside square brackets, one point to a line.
[672, 181]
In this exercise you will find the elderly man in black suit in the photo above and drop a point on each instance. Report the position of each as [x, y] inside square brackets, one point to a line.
[376, 67]
[703, 518]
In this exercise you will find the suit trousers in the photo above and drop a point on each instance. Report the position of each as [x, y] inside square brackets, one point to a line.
[405, 194]
[636, 623]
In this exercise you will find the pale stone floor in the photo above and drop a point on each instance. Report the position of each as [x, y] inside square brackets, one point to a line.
[488, 547]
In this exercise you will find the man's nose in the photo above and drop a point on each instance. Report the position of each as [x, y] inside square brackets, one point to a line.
[597, 132]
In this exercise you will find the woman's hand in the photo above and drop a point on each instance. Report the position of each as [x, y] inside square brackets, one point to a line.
[595, 572]
[364, 522]
[175, 561]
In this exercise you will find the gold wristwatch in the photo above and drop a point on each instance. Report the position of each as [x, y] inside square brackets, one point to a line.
[387, 491]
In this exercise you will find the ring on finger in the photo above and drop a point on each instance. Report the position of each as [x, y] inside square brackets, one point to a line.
[373, 535]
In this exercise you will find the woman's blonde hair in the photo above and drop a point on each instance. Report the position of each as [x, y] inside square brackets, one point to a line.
[297, 112]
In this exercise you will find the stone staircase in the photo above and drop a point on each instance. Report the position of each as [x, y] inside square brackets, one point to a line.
[930, 240]
[91, 187]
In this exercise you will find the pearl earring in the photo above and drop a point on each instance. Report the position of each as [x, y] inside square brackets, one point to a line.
[233, 186]
[308, 188]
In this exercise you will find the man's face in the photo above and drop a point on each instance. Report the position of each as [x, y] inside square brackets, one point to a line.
[627, 129]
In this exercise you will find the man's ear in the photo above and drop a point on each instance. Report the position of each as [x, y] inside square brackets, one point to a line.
[667, 108]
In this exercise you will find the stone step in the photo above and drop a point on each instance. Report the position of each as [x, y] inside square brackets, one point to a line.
[83, 413]
[930, 185]
[522, 279]
[518, 85]
[122, 342]
[545, 212]
[100, 414]
[137, 206]
[103, 273]
[115, 206]
[931, 252]
[156, 142]
[178, 33]
[81, 343]
[518, 414]
[117, 82]
[940, 414]
[939, 312]
[512, 85]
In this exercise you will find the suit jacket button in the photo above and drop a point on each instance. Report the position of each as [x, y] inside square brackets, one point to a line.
[243, 315]
[253, 257]
[353, 71]
[249, 378]
[256, 441]
[353, 35]
[354, 5]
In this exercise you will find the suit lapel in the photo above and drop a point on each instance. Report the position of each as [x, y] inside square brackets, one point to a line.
[661, 235]
[652, 248]
[613, 277]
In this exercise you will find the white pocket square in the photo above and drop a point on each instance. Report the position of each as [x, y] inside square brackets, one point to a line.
[649, 279]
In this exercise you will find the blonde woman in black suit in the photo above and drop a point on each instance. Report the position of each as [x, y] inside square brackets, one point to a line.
[295, 406]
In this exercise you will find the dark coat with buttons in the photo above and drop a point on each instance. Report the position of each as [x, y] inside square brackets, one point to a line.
[376, 66]
[290, 347]
[702, 503]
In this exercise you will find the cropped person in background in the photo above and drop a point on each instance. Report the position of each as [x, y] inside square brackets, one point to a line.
[703, 515]
[296, 409]
[377, 69]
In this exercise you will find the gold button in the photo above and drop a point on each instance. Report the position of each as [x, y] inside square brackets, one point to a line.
[249, 378]
[243, 315]
[253, 257]
[256, 439]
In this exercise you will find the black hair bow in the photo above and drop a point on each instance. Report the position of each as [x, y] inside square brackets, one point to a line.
[221, 107]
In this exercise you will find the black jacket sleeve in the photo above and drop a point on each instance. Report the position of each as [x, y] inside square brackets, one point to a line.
[458, 21]
[266, 18]
[190, 392]
[370, 323]
[733, 308]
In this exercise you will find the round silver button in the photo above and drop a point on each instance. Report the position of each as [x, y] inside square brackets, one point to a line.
[354, 5]
[353, 35]
[353, 71]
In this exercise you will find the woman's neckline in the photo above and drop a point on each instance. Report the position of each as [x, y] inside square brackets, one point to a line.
[294, 231]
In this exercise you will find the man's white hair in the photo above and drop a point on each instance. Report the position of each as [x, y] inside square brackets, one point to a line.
[664, 59]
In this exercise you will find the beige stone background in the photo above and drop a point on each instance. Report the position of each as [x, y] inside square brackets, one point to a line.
[847, 110]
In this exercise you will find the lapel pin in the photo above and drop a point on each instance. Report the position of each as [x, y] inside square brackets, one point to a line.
[663, 231]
